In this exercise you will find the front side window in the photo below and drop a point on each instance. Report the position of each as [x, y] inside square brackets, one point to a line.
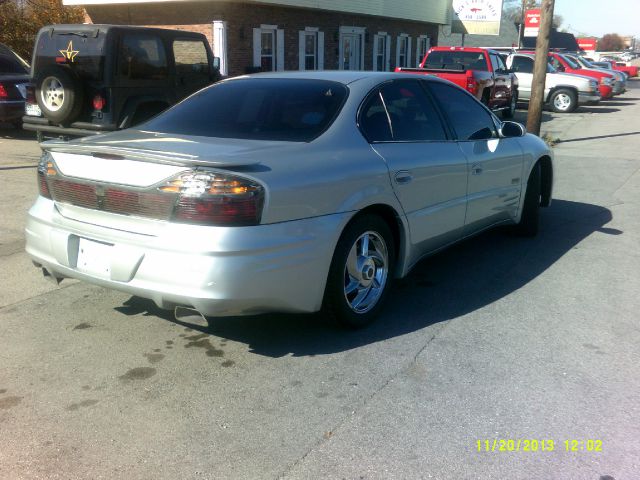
[142, 57]
[413, 116]
[469, 119]
[522, 65]
[292, 110]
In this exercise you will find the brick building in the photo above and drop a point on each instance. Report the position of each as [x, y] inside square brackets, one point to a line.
[292, 34]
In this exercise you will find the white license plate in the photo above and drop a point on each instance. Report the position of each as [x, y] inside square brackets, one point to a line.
[33, 110]
[94, 258]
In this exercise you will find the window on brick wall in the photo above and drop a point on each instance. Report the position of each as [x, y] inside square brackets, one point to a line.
[403, 50]
[311, 49]
[381, 52]
[268, 48]
[351, 48]
[422, 47]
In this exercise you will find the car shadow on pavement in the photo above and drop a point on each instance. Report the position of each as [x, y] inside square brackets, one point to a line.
[597, 109]
[597, 137]
[460, 280]
[10, 132]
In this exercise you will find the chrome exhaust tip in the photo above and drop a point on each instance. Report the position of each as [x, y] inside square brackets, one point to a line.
[189, 315]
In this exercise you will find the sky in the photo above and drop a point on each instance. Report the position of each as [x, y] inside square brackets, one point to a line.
[598, 17]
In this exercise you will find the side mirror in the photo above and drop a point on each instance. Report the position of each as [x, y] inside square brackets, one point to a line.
[511, 129]
[216, 63]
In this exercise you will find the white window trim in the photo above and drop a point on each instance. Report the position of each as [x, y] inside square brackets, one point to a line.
[408, 55]
[319, 47]
[387, 53]
[356, 30]
[420, 55]
[220, 47]
[279, 46]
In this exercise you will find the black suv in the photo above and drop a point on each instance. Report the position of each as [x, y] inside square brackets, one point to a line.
[88, 79]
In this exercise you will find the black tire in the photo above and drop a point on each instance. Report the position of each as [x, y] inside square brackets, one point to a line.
[486, 95]
[340, 304]
[59, 94]
[563, 101]
[511, 111]
[530, 220]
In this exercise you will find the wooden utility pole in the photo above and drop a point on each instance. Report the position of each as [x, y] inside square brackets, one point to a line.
[536, 103]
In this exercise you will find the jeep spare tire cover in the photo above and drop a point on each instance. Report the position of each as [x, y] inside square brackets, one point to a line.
[59, 94]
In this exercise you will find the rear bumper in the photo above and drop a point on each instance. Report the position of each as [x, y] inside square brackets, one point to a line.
[219, 271]
[11, 110]
[39, 124]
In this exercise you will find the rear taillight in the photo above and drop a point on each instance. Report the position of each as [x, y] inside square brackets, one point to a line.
[3, 91]
[31, 95]
[46, 169]
[215, 198]
[98, 102]
[472, 84]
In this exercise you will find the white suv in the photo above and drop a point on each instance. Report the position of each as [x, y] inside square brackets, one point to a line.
[563, 92]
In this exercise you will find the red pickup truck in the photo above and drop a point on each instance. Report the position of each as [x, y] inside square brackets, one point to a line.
[479, 71]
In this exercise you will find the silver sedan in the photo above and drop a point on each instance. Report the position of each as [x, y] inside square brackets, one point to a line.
[285, 192]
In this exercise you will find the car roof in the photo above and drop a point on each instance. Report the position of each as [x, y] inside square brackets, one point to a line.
[102, 27]
[341, 76]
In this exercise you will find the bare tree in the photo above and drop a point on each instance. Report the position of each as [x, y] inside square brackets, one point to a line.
[610, 42]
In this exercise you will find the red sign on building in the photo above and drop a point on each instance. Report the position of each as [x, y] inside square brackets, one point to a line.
[587, 43]
[532, 22]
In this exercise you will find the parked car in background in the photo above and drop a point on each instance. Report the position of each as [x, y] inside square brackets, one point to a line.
[630, 70]
[620, 78]
[563, 92]
[88, 79]
[480, 71]
[14, 77]
[285, 192]
[564, 64]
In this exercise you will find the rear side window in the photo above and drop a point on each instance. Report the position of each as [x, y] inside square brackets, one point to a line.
[142, 57]
[191, 58]
[374, 121]
[522, 65]
[256, 109]
[11, 65]
[413, 117]
[468, 117]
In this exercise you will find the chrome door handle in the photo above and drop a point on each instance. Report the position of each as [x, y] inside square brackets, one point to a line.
[476, 170]
[403, 177]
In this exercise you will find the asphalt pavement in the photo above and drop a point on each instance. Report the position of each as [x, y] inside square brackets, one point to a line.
[497, 339]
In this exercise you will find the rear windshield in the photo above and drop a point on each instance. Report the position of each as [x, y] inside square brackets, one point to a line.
[293, 110]
[83, 52]
[450, 59]
[11, 65]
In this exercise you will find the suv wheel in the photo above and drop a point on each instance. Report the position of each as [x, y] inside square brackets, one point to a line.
[563, 101]
[58, 94]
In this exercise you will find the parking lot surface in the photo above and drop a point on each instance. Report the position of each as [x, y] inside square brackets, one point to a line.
[499, 338]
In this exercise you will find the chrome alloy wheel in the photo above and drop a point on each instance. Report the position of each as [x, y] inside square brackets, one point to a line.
[52, 94]
[366, 272]
[562, 101]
